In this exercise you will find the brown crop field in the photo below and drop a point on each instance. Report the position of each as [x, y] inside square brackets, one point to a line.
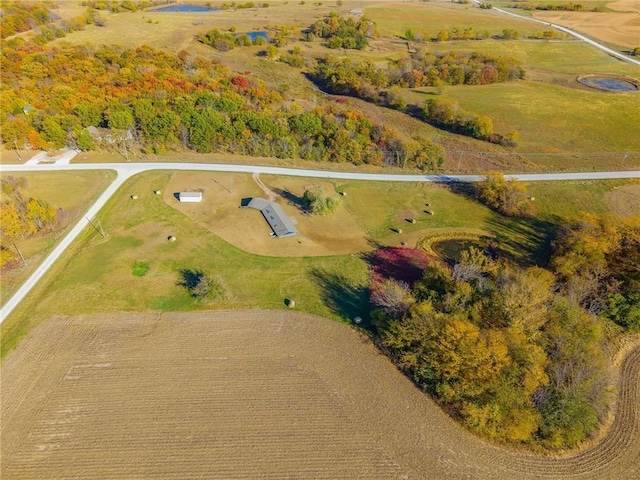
[620, 26]
[255, 395]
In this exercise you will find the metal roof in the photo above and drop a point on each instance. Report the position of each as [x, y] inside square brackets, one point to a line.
[279, 222]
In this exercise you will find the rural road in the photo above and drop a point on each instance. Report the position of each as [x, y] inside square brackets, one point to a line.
[569, 31]
[127, 170]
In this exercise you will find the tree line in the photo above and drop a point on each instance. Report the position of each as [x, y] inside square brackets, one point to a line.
[363, 79]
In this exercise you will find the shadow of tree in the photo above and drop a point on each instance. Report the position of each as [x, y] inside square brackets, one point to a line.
[292, 198]
[340, 294]
[525, 240]
[190, 278]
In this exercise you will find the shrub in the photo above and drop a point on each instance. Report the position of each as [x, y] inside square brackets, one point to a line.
[318, 202]
[200, 285]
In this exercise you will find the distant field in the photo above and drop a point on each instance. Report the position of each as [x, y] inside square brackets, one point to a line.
[618, 25]
[394, 18]
[253, 395]
[72, 191]
[569, 119]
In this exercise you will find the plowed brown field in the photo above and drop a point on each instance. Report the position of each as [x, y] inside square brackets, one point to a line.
[251, 395]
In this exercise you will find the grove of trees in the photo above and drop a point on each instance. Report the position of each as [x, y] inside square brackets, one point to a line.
[343, 32]
[316, 200]
[22, 217]
[518, 354]
[366, 80]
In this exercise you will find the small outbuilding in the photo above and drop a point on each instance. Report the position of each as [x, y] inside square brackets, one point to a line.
[190, 197]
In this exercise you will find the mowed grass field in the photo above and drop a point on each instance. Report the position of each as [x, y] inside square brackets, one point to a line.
[253, 395]
[325, 273]
[71, 191]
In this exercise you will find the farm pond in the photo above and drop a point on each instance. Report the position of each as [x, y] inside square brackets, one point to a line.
[612, 84]
[185, 8]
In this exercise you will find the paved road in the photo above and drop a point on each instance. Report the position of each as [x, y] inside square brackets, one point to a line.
[126, 170]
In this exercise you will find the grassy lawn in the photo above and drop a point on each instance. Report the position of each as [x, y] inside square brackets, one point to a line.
[72, 191]
[135, 269]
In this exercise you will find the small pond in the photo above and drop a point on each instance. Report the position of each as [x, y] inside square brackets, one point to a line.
[611, 84]
[186, 8]
[451, 250]
[254, 35]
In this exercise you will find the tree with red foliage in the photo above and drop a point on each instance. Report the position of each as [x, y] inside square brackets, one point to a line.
[241, 81]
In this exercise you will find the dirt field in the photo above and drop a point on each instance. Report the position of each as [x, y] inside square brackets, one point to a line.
[624, 201]
[621, 27]
[259, 394]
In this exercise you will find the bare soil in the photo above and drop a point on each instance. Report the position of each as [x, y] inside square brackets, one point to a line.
[624, 201]
[254, 395]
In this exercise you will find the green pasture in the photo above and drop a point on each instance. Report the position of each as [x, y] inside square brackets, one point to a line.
[72, 191]
[557, 119]
[135, 268]
[429, 18]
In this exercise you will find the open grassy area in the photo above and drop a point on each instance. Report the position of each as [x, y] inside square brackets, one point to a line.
[71, 191]
[571, 120]
[103, 275]
[394, 18]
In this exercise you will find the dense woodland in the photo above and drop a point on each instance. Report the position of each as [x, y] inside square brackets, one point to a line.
[156, 100]
[518, 354]
[22, 217]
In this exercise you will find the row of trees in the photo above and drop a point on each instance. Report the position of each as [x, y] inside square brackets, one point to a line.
[22, 217]
[19, 16]
[117, 6]
[365, 80]
[42, 18]
[345, 76]
[156, 100]
[568, 7]
[446, 113]
[469, 33]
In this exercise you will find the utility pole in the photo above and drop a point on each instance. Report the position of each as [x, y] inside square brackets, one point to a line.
[20, 253]
[96, 228]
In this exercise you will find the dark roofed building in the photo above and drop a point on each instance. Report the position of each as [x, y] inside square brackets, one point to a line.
[279, 222]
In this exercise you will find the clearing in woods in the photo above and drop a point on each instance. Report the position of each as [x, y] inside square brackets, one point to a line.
[248, 395]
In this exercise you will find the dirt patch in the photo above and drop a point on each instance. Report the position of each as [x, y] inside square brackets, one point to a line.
[624, 201]
[246, 395]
